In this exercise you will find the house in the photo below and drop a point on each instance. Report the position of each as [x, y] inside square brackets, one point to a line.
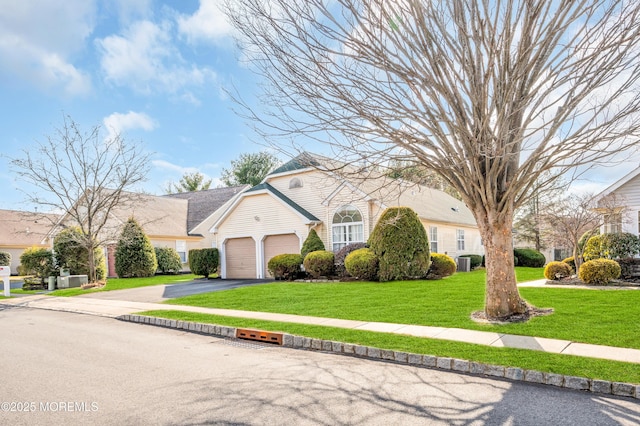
[179, 221]
[620, 205]
[20, 230]
[276, 216]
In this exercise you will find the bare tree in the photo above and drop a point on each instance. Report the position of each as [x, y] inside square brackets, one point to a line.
[491, 95]
[85, 176]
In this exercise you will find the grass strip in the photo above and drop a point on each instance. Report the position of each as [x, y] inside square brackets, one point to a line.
[508, 357]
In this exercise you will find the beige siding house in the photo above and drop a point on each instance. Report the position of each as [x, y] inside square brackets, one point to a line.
[624, 216]
[20, 230]
[276, 216]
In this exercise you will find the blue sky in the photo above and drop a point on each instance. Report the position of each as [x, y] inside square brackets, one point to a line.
[154, 71]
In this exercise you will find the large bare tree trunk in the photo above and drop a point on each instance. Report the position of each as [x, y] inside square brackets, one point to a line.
[502, 298]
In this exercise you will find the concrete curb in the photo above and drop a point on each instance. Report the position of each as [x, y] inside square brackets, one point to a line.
[628, 390]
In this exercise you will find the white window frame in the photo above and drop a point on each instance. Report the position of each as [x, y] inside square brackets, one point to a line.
[460, 244]
[181, 248]
[348, 232]
[433, 239]
[612, 223]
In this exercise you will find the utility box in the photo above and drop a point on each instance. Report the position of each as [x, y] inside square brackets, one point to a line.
[71, 281]
[5, 273]
[464, 264]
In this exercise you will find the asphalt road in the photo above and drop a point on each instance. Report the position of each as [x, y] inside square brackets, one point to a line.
[69, 369]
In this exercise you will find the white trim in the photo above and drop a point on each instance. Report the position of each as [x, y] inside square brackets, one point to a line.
[290, 172]
[620, 182]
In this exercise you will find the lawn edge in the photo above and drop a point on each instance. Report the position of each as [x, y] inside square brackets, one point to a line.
[620, 389]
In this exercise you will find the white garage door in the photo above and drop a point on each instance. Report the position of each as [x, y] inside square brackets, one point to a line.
[279, 244]
[240, 257]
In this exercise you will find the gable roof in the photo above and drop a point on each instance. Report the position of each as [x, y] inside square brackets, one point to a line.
[619, 183]
[25, 229]
[202, 204]
[301, 162]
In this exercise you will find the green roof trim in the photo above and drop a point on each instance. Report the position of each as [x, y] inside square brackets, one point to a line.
[302, 161]
[287, 200]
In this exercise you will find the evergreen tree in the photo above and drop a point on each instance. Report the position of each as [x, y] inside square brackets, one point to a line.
[135, 256]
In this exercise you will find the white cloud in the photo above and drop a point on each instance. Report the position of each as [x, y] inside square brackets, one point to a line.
[118, 123]
[208, 24]
[145, 58]
[38, 38]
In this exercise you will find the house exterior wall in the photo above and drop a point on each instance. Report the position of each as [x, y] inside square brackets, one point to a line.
[448, 239]
[629, 195]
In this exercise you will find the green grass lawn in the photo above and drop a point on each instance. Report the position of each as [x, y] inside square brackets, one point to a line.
[605, 317]
[508, 357]
[126, 283]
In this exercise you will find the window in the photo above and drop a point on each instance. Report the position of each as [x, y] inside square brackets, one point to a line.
[460, 239]
[612, 223]
[433, 239]
[181, 248]
[295, 183]
[347, 227]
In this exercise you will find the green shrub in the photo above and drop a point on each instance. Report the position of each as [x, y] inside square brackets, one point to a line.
[285, 266]
[401, 245]
[599, 271]
[135, 256]
[628, 268]
[312, 243]
[529, 257]
[441, 266]
[571, 262]
[319, 263]
[557, 270]
[204, 261]
[611, 246]
[341, 255]
[71, 253]
[363, 264]
[475, 260]
[169, 261]
[39, 262]
[5, 258]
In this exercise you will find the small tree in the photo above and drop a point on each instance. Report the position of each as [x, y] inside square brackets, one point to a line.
[135, 256]
[312, 243]
[70, 253]
[169, 261]
[400, 242]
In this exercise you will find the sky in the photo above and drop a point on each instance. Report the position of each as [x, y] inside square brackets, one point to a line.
[154, 71]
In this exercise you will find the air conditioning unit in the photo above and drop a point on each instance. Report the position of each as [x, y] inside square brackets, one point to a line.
[71, 281]
[464, 264]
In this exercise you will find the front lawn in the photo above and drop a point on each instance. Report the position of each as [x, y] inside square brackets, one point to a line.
[126, 283]
[604, 317]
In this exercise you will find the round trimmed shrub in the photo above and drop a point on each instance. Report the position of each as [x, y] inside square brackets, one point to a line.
[5, 258]
[169, 261]
[319, 263]
[529, 257]
[557, 270]
[442, 266]
[362, 264]
[285, 266]
[312, 243]
[599, 271]
[204, 261]
[571, 262]
[39, 262]
[475, 260]
[401, 244]
[342, 254]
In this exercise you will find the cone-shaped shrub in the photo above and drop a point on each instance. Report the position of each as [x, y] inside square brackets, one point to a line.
[312, 243]
[135, 256]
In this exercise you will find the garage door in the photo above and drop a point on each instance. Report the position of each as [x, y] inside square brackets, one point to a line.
[279, 244]
[240, 257]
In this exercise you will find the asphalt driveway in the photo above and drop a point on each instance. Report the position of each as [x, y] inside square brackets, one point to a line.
[160, 293]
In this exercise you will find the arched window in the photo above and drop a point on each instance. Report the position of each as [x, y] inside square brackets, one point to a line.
[347, 227]
[295, 183]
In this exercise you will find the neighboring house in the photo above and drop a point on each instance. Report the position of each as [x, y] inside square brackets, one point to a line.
[620, 205]
[20, 230]
[179, 221]
[276, 216]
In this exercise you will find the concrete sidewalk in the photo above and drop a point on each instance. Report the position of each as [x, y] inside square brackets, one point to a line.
[116, 308]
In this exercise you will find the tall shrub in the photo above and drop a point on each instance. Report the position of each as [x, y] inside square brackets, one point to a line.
[400, 242]
[204, 261]
[72, 255]
[38, 261]
[611, 246]
[5, 258]
[169, 261]
[135, 256]
[312, 243]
